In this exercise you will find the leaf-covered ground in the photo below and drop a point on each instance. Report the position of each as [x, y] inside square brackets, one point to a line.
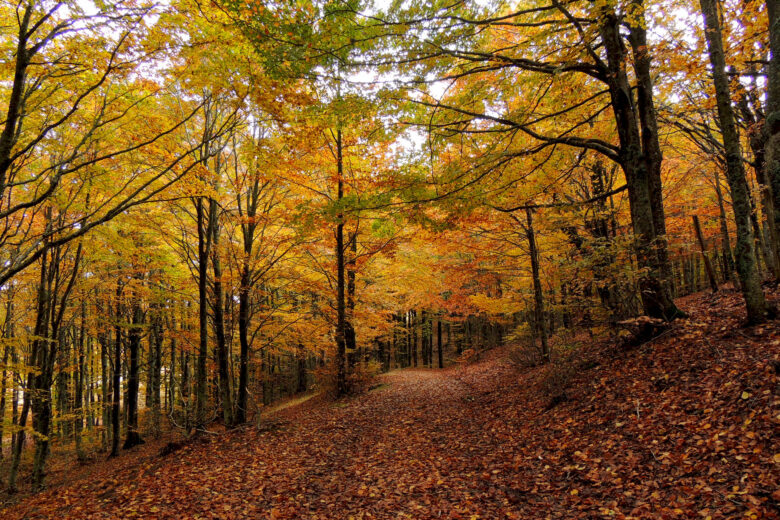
[683, 427]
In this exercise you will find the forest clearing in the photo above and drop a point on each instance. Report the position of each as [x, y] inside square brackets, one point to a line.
[389, 259]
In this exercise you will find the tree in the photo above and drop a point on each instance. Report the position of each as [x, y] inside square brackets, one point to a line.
[745, 254]
[572, 34]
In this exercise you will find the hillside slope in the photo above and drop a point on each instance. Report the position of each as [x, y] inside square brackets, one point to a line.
[682, 427]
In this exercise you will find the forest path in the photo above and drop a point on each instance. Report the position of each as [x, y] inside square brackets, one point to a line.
[682, 427]
[414, 447]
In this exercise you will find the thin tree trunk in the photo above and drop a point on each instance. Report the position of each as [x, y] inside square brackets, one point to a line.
[438, 343]
[79, 397]
[204, 247]
[349, 329]
[538, 298]
[341, 346]
[133, 436]
[172, 370]
[8, 353]
[219, 319]
[703, 246]
[728, 259]
[116, 382]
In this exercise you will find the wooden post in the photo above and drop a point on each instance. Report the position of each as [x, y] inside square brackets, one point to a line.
[707, 264]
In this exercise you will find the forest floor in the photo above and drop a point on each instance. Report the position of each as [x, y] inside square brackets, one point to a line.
[685, 426]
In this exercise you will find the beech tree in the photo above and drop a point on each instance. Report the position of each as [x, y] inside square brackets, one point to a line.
[745, 254]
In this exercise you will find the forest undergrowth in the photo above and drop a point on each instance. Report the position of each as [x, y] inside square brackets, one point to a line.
[684, 426]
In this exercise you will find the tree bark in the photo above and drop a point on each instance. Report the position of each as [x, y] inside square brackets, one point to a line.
[649, 134]
[219, 319]
[133, 436]
[80, 379]
[341, 345]
[745, 253]
[772, 124]
[8, 335]
[349, 329]
[204, 248]
[728, 258]
[438, 343]
[703, 247]
[538, 298]
[655, 295]
[116, 373]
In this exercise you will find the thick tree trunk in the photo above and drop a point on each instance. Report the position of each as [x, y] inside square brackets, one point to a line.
[15, 110]
[649, 132]
[745, 254]
[654, 292]
[772, 125]
[757, 142]
[155, 367]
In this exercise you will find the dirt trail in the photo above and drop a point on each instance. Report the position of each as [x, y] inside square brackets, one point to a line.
[404, 450]
[682, 427]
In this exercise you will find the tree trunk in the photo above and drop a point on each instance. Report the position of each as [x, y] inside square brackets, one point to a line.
[41, 401]
[243, 337]
[538, 299]
[728, 259]
[8, 335]
[172, 369]
[300, 386]
[116, 382]
[349, 329]
[703, 247]
[649, 132]
[155, 366]
[413, 315]
[341, 345]
[655, 295]
[772, 125]
[438, 343]
[204, 248]
[80, 377]
[219, 320]
[133, 437]
[745, 254]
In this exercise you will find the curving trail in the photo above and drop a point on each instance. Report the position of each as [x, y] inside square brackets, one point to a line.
[685, 427]
[404, 450]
